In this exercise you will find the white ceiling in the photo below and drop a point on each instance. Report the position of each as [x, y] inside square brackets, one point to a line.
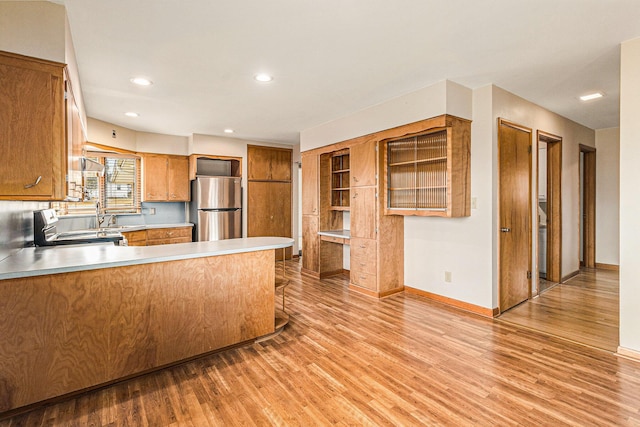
[330, 58]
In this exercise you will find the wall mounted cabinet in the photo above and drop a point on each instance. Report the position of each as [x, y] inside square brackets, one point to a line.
[165, 178]
[428, 174]
[32, 129]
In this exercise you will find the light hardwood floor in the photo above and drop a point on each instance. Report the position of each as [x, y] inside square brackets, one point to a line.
[585, 309]
[347, 359]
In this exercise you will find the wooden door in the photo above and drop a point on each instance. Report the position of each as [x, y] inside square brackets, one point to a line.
[310, 185]
[362, 158]
[178, 179]
[514, 151]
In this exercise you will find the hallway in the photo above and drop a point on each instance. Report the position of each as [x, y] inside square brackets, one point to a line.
[585, 309]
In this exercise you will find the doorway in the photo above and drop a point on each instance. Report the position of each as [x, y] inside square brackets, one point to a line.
[587, 253]
[549, 210]
[514, 175]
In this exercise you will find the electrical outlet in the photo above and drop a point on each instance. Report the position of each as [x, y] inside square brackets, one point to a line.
[474, 203]
[447, 276]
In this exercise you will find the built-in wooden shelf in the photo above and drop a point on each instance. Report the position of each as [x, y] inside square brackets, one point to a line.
[340, 180]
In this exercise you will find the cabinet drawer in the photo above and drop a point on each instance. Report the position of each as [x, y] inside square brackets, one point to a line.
[332, 239]
[168, 241]
[360, 264]
[168, 233]
[363, 248]
[364, 280]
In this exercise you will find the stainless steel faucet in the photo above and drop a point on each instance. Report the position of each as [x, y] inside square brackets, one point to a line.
[98, 219]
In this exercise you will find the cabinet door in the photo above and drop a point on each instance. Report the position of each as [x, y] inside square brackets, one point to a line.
[32, 129]
[268, 163]
[269, 209]
[363, 212]
[310, 243]
[178, 179]
[75, 142]
[363, 164]
[155, 177]
[310, 188]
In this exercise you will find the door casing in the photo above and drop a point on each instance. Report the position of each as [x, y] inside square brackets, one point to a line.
[554, 204]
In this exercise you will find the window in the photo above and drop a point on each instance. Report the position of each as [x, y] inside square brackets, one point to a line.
[118, 191]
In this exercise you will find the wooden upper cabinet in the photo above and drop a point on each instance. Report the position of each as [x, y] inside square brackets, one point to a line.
[155, 177]
[363, 164]
[178, 178]
[268, 163]
[75, 137]
[166, 178]
[310, 185]
[428, 173]
[32, 129]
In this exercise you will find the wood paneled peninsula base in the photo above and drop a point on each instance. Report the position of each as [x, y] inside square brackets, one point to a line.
[79, 317]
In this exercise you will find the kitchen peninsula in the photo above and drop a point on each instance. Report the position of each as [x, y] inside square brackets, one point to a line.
[77, 317]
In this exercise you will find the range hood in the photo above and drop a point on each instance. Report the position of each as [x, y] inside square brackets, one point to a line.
[91, 167]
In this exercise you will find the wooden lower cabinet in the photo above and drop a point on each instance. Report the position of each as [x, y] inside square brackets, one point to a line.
[165, 236]
[310, 245]
[158, 236]
[66, 332]
[363, 263]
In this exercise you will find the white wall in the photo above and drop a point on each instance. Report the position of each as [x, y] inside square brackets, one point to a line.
[608, 196]
[33, 28]
[515, 109]
[629, 200]
[440, 98]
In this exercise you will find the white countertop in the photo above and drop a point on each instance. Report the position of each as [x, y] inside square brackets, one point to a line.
[39, 261]
[343, 234]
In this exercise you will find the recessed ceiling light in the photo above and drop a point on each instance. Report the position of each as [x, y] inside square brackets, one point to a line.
[131, 114]
[228, 131]
[141, 81]
[264, 78]
[591, 96]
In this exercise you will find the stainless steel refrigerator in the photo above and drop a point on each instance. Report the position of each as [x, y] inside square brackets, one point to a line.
[216, 208]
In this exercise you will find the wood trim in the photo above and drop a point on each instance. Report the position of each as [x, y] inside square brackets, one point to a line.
[482, 311]
[514, 125]
[408, 129]
[331, 273]
[193, 164]
[374, 294]
[390, 292]
[589, 206]
[364, 291]
[612, 267]
[109, 149]
[570, 276]
[627, 352]
[554, 203]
